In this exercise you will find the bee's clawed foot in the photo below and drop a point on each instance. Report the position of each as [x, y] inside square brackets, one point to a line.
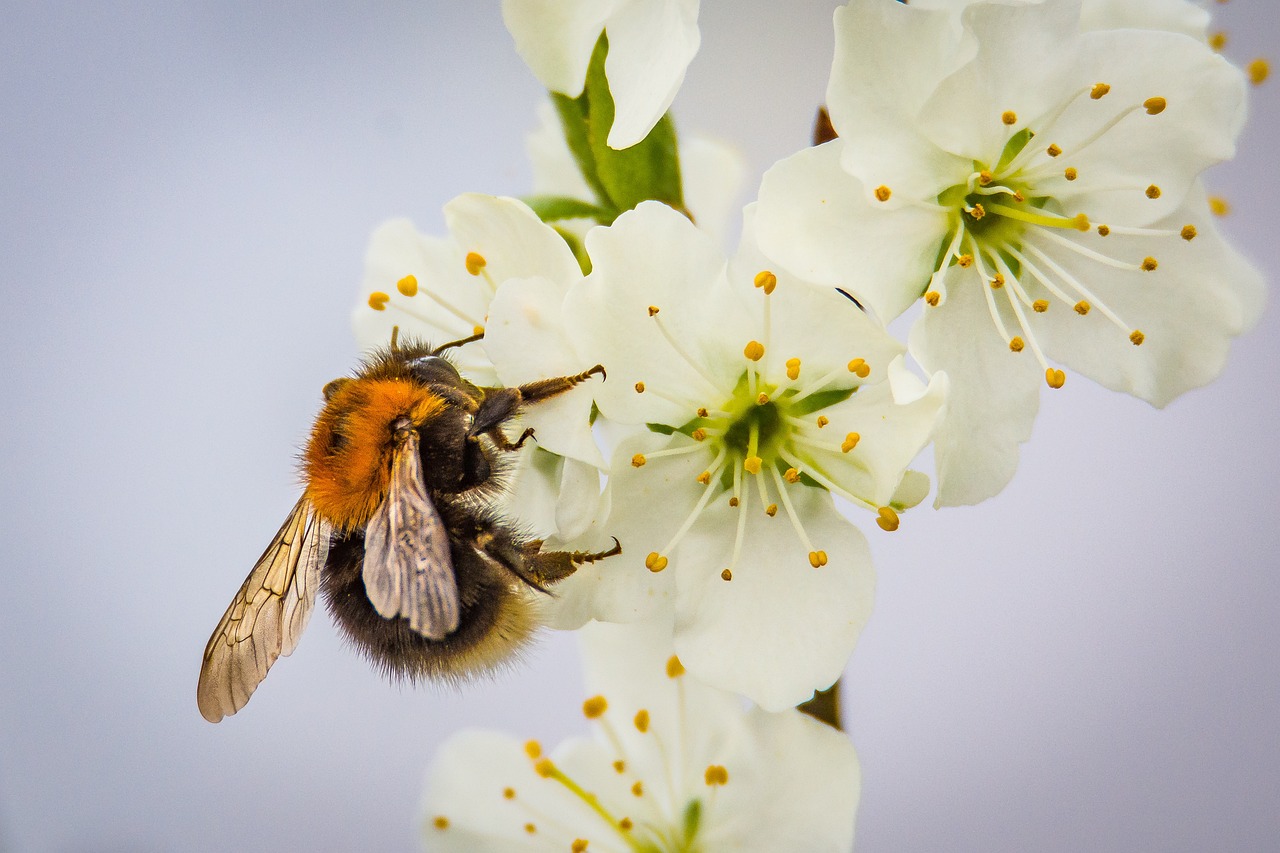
[524, 436]
[580, 557]
[587, 374]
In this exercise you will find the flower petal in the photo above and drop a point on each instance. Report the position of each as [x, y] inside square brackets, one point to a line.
[510, 237]
[555, 37]
[651, 43]
[745, 635]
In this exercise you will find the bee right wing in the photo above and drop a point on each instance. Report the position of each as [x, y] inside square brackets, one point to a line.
[408, 570]
[267, 616]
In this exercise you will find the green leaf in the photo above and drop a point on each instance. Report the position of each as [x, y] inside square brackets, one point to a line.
[573, 121]
[552, 208]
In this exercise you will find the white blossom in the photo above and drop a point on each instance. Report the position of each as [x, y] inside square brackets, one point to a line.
[672, 766]
[651, 43]
[1038, 186]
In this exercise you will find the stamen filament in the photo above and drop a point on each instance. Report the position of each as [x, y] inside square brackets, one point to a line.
[716, 466]
[1018, 312]
[1045, 220]
[680, 351]
[1046, 125]
[1074, 282]
[791, 512]
[549, 770]
[1089, 253]
[992, 308]
[817, 475]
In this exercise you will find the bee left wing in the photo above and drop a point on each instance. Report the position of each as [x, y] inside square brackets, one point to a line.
[408, 570]
[267, 616]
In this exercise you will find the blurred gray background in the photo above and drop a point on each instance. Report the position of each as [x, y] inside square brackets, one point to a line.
[1087, 662]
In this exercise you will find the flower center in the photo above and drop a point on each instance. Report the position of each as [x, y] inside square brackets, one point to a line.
[1007, 212]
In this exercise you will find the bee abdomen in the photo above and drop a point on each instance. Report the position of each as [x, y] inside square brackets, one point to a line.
[496, 617]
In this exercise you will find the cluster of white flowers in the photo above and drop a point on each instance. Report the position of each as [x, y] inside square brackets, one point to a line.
[1029, 170]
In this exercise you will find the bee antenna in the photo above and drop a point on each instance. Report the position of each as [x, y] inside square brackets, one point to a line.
[472, 339]
[395, 336]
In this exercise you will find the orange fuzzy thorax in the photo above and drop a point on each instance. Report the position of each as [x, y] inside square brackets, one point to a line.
[347, 463]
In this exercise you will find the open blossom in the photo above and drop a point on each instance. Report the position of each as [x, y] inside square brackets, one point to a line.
[673, 766]
[1037, 185]
[442, 289]
[651, 43]
[724, 503]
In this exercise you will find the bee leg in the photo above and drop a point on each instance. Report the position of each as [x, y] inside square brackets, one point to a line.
[501, 404]
[544, 388]
[501, 442]
[548, 567]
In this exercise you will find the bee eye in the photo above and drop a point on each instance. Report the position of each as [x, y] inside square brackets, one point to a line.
[332, 388]
[433, 368]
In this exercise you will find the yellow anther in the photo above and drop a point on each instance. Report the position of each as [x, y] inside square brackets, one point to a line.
[997, 282]
[733, 502]
[883, 193]
[933, 297]
[639, 387]
[977, 211]
[1188, 232]
[544, 767]
[850, 442]
[817, 559]
[965, 261]
[1009, 117]
[1053, 150]
[1218, 40]
[477, 330]
[530, 828]
[716, 775]
[823, 420]
[771, 510]
[653, 309]
[641, 720]
[1154, 106]
[594, 707]
[1218, 205]
[1082, 307]
[1055, 378]
[752, 464]
[638, 460]
[1070, 173]
[1258, 70]
[655, 562]
[1040, 306]
[726, 575]
[1136, 338]
[637, 789]
[860, 368]
[754, 350]
[702, 413]
[620, 766]
[766, 281]
[675, 669]
[704, 478]
[408, 285]
[792, 475]
[1153, 191]
[475, 263]
[1104, 230]
[699, 434]
[509, 793]
[441, 822]
[1081, 222]
[887, 519]
[533, 749]
[378, 300]
[1149, 264]
[579, 845]
[793, 369]
[625, 824]
[985, 177]
[1098, 90]
[762, 398]
[1016, 344]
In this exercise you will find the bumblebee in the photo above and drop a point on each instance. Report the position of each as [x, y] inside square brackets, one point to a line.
[397, 527]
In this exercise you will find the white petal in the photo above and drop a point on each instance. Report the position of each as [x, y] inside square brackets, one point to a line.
[555, 37]
[813, 219]
[713, 173]
[552, 496]
[993, 397]
[876, 113]
[780, 629]
[555, 172]
[1189, 308]
[1176, 16]
[653, 256]
[787, 752]
[526, 339]
[510, 237]
[651, 43]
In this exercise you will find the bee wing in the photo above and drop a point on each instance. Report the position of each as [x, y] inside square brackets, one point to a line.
[407, 568]
[266, 617]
